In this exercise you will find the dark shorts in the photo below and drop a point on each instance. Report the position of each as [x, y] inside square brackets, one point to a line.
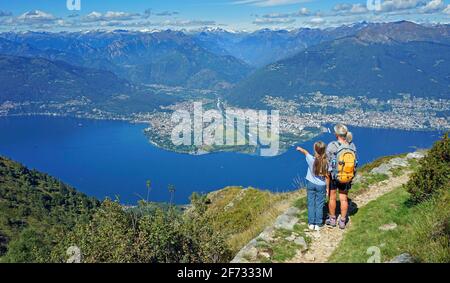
[335, 185]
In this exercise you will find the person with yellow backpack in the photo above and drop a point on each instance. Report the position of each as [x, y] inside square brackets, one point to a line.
[343, 162]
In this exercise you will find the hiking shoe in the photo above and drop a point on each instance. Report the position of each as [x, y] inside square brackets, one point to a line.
[316, 228]
[311, 227]
[342, 223]
[331, 221]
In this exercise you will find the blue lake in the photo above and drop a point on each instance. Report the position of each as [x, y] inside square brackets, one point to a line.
[110, 158]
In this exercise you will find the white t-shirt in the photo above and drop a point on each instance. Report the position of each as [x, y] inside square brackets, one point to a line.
[317, 180]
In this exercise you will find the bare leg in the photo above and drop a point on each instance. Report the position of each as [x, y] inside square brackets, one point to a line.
[332, 203]
[344, 204]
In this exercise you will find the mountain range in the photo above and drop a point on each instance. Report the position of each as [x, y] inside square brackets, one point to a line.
[375, 62]
[41, 80]
[371, 59]
[168, 57]
[266, 46]
[55, 80]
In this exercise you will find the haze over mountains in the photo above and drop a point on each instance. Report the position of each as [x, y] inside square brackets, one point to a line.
[376, 60]
[266, 46]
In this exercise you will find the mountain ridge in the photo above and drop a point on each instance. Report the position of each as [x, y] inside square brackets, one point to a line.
[361, 65]
[40, 79]
[168, 57]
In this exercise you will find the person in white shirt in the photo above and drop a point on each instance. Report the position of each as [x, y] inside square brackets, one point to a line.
[316, 178]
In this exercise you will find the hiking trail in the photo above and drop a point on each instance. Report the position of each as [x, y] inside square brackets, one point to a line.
[318, 246]
[325, 241]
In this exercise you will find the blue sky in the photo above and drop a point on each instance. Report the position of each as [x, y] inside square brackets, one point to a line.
[54, 15]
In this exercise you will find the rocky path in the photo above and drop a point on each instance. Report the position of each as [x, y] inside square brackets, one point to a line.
[321, 244]
[325, 241]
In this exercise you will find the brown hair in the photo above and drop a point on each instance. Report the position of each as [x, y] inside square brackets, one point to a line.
[320, 166]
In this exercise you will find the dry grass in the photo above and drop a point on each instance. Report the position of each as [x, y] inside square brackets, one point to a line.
[244, 213]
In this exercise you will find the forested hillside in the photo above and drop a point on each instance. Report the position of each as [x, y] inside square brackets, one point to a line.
[34, 209]
[41, 217]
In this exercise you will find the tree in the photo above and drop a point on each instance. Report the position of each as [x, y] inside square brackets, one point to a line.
[148, 183]
[172, 193]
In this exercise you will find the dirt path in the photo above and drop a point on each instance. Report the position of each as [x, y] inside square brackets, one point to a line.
[327, 240]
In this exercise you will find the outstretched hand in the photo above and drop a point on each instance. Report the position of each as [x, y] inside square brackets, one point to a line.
[302, 150]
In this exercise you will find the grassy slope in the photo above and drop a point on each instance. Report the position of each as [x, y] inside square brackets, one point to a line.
[422, 231]
[284, 250]
[243, 213]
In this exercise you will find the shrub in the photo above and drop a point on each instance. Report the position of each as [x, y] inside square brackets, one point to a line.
[31, 247]
[433, 172]
[164, 235]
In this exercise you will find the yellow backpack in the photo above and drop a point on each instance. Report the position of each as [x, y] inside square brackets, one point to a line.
[344, 166]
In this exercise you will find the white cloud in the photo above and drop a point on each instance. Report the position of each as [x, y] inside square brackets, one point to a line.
[304, 11]
[358, 9]
[276, 16]
[342, 7]
[109, 16]
[92, 17]
[317, 21]
[300, 13]
[33, 19]
[391, 10]
[345, 8]
[396, 5]
[186, 23]
[112, 19]
[166, 23]
[272, 21]
[120, 16]
[269, 3]
[36, 17]
[385, 6]
[447, 10]
[391, 6]
[433, 6]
